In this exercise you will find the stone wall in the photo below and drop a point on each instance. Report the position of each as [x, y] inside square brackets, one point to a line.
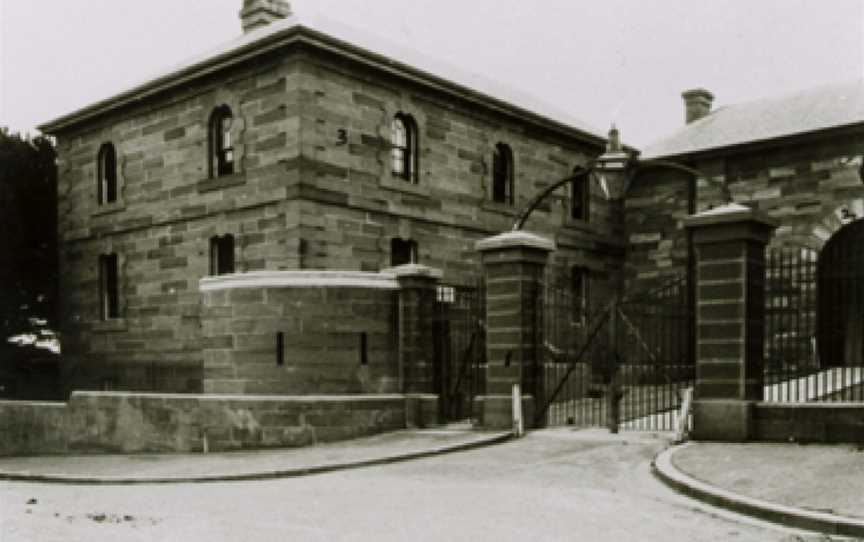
[804, 182]
[809, 422]
[106, 422]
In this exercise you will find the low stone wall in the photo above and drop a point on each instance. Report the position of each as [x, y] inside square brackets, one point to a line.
[808, 422]
[113, 422]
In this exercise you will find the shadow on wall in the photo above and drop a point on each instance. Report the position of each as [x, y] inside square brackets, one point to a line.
[28, 372]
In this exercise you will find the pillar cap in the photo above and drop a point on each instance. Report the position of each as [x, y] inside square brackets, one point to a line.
[414, 270]
[730, 213]
[514, 239]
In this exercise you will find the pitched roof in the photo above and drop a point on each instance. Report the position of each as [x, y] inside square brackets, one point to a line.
[360, 45]
[763, 120]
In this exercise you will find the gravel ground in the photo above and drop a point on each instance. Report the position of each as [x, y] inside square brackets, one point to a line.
[825, 478]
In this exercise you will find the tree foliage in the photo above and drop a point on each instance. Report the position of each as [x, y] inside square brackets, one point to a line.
[28, 232]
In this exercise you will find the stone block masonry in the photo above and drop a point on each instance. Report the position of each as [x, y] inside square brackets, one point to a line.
[730, 317]
[300, 332]
[804, 182]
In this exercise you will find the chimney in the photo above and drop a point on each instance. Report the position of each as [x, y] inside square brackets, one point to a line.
[697, 103]
[258, 13]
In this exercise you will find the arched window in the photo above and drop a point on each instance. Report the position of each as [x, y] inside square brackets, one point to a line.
[107, 174]
[222, 254]
[220, 143]
[403, 142]
[579, 198]
[502, 174]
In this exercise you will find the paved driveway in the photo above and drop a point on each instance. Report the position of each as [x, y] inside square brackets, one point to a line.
[551, 485]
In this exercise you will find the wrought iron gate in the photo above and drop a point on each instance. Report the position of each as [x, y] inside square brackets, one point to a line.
[460, 350]
[634, 354]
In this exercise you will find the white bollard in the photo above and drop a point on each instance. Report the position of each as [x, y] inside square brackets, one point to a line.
[518, 424]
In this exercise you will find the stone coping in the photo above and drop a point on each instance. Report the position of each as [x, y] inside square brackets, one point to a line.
[382, 449]
[730, 213]
[228, 397]
[300, 279]
[414, 270]
[664, 468]
[515, 239]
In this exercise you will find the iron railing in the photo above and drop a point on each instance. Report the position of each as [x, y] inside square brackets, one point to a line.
[814, 326]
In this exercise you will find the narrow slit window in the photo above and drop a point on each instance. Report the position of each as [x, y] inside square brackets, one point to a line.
[107, 174]
[109, 286]
[222, 254]
[280, 348]
[502, 174]
[364, 348]
[220, 142]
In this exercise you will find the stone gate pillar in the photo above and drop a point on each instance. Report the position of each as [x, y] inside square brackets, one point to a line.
[417, 295]
[730, 319]
[514, 265]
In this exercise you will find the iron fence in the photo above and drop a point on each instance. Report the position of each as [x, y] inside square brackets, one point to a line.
[814, 324]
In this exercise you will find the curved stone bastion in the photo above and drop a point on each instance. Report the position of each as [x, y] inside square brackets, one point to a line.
[300, 333]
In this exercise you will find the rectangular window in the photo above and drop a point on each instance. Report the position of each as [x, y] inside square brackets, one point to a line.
[579, 291]
[222, 255]
[402, 251]
[579, 200]
[446, 294]
[109, 286]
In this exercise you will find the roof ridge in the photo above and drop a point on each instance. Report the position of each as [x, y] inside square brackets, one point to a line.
[312, 20]
[791, 113]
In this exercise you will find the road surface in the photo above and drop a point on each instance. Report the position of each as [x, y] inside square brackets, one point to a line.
[552, 485]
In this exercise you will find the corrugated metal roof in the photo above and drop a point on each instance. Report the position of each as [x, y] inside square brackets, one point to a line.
[761, 120]
[396, 56]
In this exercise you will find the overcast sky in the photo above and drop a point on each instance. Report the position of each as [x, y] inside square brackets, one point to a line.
[625, 61]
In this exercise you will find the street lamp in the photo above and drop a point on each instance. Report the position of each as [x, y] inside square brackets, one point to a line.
[613, 168]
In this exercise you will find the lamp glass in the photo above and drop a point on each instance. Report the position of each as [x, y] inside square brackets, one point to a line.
[612, 172]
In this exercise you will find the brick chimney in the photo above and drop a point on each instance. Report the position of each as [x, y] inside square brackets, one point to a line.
[258, 13]
[697, 103]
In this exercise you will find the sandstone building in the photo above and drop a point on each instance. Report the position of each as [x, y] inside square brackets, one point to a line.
[301, 145]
